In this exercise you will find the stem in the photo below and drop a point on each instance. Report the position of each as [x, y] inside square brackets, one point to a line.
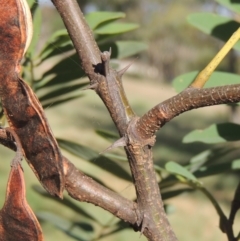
[204, 75]
[214, 202]
[190, 98]
[80, 34]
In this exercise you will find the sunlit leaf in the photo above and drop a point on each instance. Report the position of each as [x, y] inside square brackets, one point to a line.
[65, 65]
[76, 230]
[37, 21]
[51, 103]
[110, 136]
[236, 164]
[176, 168]
[58, 43]
[199, 160]
[219, 168]
[217, 79]
[174, 193]
[61, 91]
[116, 28]
[216, 133]
[215, 25]
[94, 19]
[232, 5]
[116, 157]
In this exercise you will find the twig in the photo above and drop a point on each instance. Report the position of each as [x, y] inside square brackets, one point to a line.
[204, 75]
[85, 189]
[188, 99]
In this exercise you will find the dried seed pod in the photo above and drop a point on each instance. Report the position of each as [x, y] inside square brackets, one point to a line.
[22, 108]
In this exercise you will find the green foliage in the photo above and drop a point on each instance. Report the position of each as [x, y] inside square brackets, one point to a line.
[217, 79]
[216, 133]
[180, 171]
[62, 81]
[219, 158]
[215, 25]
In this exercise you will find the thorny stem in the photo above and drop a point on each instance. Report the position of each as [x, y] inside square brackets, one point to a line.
[139, 131]
[188, 99]
[152, 220]
[80, 34]
[204, 75]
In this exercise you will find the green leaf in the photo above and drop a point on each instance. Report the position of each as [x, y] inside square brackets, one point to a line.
[51, 103]
[67, 202]
[60, 92]
[199, 160]
[230, 4]
[110, 136]
[64, 71]
[215, 25]
[236, 164]
[58, 43]
[174, 193]
[217, 79]
[116, 157]
[176, 168]
[124, 49]
[37, 21]
[219, 168]
[216, 133]
[31, 3]
[78, 230]
[94, 19]
[116, 28]
[54, 219]
[87, 153]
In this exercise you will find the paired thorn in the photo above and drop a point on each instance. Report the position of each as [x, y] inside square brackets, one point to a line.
[118, 143]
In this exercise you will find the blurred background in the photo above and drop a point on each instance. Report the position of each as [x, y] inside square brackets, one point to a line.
[174, 48]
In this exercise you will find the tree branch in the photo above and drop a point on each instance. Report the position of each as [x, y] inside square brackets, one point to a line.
[188, 99]
[80, 34]
[83, 188]
[152, 220]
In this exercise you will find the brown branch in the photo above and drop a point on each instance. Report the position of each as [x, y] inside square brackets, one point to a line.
[235, 205]
[151, 217]
[188, 99]
[80, 34]
[85, 189]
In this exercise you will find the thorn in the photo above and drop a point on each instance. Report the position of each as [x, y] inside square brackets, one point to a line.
[119, 142]
[122, 71]
[91, 87]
